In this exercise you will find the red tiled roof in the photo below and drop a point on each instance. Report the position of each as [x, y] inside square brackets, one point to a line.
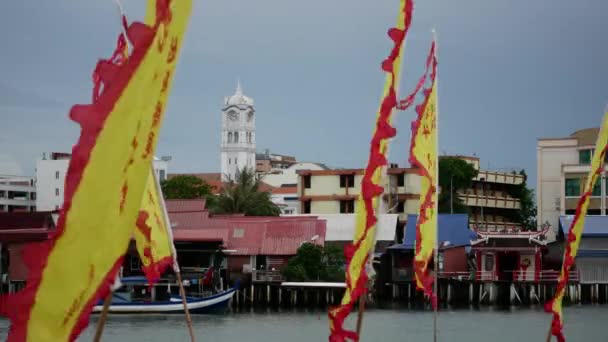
[185, 205]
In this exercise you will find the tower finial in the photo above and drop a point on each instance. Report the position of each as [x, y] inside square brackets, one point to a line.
[239, 90]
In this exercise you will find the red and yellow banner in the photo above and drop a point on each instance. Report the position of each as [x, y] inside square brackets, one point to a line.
[105, 185]
[576, 230]
[152, 235]
[371, 186]
[423, 155]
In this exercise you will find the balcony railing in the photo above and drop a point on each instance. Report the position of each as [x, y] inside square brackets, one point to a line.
[474, 200]
[267, 276]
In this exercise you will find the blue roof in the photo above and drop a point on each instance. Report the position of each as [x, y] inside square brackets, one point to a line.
[453, 228]
[595, 226]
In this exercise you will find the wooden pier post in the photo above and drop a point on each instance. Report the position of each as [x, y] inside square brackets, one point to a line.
[268, 294]
[449, 293]
[280, 295]
[471, 293]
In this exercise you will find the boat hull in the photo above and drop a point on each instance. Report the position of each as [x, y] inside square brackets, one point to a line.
[216, 303]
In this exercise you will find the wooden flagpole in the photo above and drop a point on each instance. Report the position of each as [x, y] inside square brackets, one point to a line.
[104, 315]
[176, 269]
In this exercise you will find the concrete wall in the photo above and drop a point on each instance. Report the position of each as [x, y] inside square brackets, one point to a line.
[551, 156]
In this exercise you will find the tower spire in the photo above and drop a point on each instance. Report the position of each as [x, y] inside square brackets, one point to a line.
[239, 90]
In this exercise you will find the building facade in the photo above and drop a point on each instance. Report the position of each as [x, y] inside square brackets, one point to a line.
[563, 165]
[50, 178]
[491, 205]
[17, 194]
[238, 135]
[336, 191]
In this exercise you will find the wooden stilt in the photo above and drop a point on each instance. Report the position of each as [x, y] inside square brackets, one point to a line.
[103, 317]
[182, 293]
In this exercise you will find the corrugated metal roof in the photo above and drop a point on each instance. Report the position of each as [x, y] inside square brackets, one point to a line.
[595, 226]
[185, 205]
[341, 227]
[200, 235]
[453, 228]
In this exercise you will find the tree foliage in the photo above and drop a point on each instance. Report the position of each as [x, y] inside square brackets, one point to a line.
[526, 216]
[187, 187]
[243, 196]
[454, 174]
[315, 263]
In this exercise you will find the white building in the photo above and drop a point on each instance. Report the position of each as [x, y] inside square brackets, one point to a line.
[563, 165]
[17, 193]
[238, 134]
[50, 178]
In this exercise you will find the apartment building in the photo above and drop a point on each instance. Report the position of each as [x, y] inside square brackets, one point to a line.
[50, 178]
[563, 165]
[336, 191]
[17, 194]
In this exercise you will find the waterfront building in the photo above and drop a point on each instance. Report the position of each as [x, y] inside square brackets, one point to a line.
[17, 231]
[490, 201]
[592, 256]
[51, 171]
[563, 165]
[454, 240]
[17, 194]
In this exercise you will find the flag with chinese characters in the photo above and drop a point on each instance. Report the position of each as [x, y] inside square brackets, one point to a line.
[576, 229]
[105, 183]
[357, 254]
[423, 155]
[152, 234]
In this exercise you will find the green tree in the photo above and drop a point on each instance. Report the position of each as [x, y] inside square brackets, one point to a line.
[526, 216]
[315, 263]
[454, 174]
[187, 187]
[243, 196]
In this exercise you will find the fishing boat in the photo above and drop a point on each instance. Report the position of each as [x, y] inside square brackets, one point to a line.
[127, 299]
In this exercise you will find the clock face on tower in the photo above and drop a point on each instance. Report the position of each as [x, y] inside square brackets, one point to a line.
[232, 115]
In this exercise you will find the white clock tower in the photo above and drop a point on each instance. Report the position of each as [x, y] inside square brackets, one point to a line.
[238, 134]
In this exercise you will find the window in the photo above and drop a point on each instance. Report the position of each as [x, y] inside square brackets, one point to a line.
[229, 137]
[56, 191]
[584, 157]
[306, 207]
[347, 181]
[347, 207]
[161, 175]
[238, 233]
[597, 188]
[573, 187]
[400, 180]
[56, 174]
[401, 207]
[236, 137]
[306, 180]
[229, 161]
[134, 263]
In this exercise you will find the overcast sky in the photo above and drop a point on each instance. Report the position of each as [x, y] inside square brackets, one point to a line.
[510, 72]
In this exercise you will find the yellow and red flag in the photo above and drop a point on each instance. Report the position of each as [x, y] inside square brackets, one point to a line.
[153, 236]
[576, 229]
[358, 253]
[423, 155]
[105, 184]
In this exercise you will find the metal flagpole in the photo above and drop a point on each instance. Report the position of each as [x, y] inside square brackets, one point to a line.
[436, 209]
[176, 269]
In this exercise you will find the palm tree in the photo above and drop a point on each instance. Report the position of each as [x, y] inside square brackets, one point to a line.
[243, 196]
